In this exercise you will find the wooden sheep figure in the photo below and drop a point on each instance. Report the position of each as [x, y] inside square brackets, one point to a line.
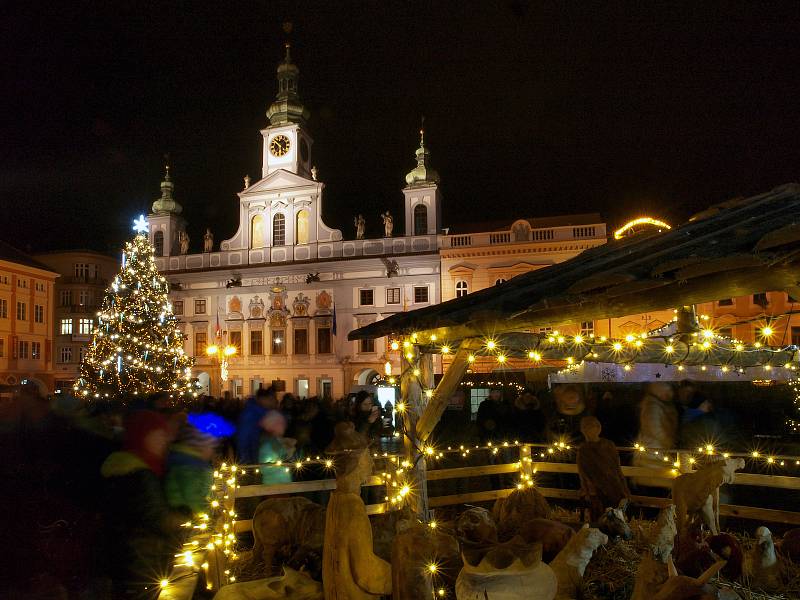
[570, 564]
[697, 493]
[762, 564]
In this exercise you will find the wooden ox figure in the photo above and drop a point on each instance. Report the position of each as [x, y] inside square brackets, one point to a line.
[697, 493]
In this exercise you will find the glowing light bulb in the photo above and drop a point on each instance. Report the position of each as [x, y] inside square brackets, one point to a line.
[767, 331]
[445, 349]
[491, 345]
[578, 339]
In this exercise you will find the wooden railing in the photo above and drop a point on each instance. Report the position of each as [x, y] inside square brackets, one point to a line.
[443, 474]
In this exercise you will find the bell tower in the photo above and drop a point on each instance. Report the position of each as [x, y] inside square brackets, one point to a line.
[423, 209]
[287, 144]
[165, 220]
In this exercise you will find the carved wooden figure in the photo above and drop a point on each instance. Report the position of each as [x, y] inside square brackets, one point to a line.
[762, 564]
[652, 571]
[350, 568]
[602, 483]
[291, 585]
[680, 587]
[512, 512]
[415, 548]
[697, 493]
[570, 564]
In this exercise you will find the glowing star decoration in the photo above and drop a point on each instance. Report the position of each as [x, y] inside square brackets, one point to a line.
[140, 225]
[635, 225]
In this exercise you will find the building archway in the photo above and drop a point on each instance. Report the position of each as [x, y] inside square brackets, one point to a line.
[40, 385]
[367, 377]
[204, 383]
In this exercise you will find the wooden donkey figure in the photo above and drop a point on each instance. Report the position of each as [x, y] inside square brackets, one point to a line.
[697, 493]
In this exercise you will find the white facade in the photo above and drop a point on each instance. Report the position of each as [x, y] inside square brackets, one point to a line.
[286, 289]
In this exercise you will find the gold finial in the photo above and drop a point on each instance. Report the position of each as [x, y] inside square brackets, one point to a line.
[166, 167]
[422, 132]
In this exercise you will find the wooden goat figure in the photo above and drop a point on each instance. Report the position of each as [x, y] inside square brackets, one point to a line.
[697, 493]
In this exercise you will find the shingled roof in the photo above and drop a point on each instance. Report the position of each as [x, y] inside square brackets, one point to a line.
[736, 248]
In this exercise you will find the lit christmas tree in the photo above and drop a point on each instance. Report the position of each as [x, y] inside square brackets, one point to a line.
[136, 345]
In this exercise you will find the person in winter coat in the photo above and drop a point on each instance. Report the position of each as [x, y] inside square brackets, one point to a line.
[248, 437]
[189, 470]
[142, 530]
[366, 417]
[658, 429]
[493, 417]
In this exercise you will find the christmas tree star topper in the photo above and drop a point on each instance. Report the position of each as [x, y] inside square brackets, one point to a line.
[140, 225]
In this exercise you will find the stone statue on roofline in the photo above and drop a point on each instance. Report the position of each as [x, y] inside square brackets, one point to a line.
[183, 240]
[360, 225]
[388, 224]
[350, 568]
[208, 241]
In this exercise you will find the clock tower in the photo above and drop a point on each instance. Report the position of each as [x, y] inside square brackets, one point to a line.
[287, 144]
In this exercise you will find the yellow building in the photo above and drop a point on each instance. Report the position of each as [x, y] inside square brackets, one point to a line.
[84, 276]
[26, 319]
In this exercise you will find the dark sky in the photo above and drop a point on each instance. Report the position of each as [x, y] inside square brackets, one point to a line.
[532, 108]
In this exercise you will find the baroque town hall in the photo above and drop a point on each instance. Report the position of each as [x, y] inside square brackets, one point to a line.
[286, 289]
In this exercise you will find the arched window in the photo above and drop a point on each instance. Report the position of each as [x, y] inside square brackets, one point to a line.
[499, 281]
[301, 229]
[158, 242]
[257, 238]
[420, 219]
[462, 289]
[279, 230]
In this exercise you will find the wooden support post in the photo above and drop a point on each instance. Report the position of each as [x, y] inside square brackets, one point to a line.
[525, 464]
[447, 385]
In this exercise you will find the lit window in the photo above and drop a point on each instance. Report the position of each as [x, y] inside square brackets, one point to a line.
[366, 297]
[36, 350]
[66, 327]
[476, 396]
[38, 313]
[84, 326]
[279, 230]
[587, 328]
[420, 294]
[301, 232]
[3, 309]
[200, 343]
[22, 311]
[278, 341]
[257, 238]
[199, 307]
[177, 307]
[462, 289]
[393, 296]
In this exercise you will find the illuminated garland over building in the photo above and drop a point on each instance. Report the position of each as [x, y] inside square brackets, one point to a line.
[136, 345]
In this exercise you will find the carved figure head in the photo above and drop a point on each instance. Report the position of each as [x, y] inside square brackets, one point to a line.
[351, 452]
[614, 524]
[475, 525]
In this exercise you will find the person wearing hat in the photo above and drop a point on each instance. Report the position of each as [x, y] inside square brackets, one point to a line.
[189, 469]
[350, 568]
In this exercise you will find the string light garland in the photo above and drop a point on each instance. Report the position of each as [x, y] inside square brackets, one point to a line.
[136, 345]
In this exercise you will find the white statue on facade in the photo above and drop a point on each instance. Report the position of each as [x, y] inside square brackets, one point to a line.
[246, 181]
[183, 240]
[314, 173]
[208, 241]
[360, 224]
[388, 224]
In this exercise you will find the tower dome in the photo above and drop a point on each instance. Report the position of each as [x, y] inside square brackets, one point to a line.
[422, 174]
[166, 204]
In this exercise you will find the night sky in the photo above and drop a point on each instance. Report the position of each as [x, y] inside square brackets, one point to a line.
[532, 108]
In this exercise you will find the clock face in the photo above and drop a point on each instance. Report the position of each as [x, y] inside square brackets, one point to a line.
[279, 145]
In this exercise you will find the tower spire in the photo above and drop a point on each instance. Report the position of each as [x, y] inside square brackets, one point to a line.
[166, 203]
[422, 174]
[287, 107]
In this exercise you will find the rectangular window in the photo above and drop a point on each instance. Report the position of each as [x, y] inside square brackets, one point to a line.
[420, 294]
[327, 388]
[256, 342]
[24, 349]
[22, 310]
[199, 307]
[66, 327]
[760, 299]
[235, 340]
[726, 332]
[83, 297]
[85, 326]
[177, 308]
[38, 313]
[366, 297]
[36, 350]
[796, 336]
[4, 279]
[22, 283]
[393, 296]
[725, 302]
[324, 340]
[81, 271]
[302, 388]
[476, 396]
[200, 343]
[3, 309]
[587, 328]
[65, 297]
[39, 287]
[366, 345]
[278, 341]
[2, 347]
[301, 341]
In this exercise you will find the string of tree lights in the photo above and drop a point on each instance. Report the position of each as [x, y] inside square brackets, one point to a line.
[136, 345]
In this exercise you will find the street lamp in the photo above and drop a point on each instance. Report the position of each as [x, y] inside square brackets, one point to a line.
[221, 354]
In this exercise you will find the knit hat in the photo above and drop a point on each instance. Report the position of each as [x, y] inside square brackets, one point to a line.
[190, 436]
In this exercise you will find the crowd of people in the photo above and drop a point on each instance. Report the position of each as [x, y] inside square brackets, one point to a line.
[96, 495]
